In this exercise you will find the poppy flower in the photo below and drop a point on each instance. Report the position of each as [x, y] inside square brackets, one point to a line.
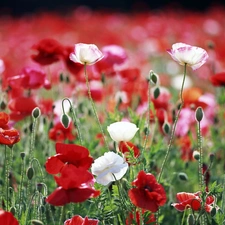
[61, 196]
[21, 107]
[48, 51]
[193, 201]
[218, 79]
[129, 150]
[8, 135]
[59, 133]
[76, 155]
[122, 131]
[147, 194]
[30, 78]
[87, 54]
[108, 168]
[78, 220]
[193, 56]
[7, 218]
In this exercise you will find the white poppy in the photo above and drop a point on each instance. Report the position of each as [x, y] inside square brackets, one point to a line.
[108, 168]
[122, 131]
[87, 54]
[193, 56]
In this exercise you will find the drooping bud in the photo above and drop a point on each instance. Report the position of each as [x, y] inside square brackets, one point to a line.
[153, 77]
[65, 120]
[30, 173]
[3, 105]
[183, 176]
[199, 114]
[196, 155]
[166, 128]
[156, 92]
[190, 219]
[211, 157]
[36, 112]
[39, 187]
[36, 222]
[13, 210]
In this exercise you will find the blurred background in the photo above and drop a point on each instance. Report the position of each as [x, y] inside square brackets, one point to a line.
[20, 7]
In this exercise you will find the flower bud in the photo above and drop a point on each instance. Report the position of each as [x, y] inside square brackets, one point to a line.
[65, 120]
[36, 222]
[30, 173]
[211, 157]
[2, 105]
[183, 176]
[199, 114]
[190, 219]
[166, 128]
[22, 155]
[13, 210]
[196, 155]
[213, 212]
[36, 112]
[153, 77]
[61, 78]
[156, 93]
[39, 187]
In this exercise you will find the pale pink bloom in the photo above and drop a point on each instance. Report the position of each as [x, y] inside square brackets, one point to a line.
[193, 56]
[87, 54]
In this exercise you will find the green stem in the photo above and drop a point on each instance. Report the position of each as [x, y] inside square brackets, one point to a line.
[74, 118]
[174, 126]
[93, 106]
[62, 215]
[32, 141]
[6, 179]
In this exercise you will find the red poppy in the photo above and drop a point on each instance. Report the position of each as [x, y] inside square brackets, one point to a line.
[130, 150]
[59, 133]
[48, 51]
[61, 196]
[73, 67]
[78, 220]
[7, 218]
[218, 79]
[70, 177]
[193, 201]
[30, 78]
[8, 135]
[135, 219]
[21, 107]
[148, 194]
[68, 154]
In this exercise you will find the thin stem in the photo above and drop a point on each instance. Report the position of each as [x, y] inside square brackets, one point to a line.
[32, 141]
[7, 179]
[174, 126]
[74, 118]
[93, 106]
[62, 215]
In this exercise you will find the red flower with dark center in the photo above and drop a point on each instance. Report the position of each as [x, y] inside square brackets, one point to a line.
[68, 154]
[48, 51]
[193, 201]
[148, 194]
[129, 150]
[218, 79]
[59, 133]
[78, 220]
[8, 135]
[7, 218]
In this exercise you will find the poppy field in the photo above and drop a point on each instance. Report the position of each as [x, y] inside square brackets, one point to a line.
[111, 118]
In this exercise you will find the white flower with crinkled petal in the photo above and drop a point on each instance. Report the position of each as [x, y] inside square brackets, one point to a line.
[87, 54]
[193, 56]
[108, 168]
[122, 131]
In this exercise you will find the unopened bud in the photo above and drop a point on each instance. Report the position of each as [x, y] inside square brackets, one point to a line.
[211, 157]
[36, 222]
[65, 120]
[36, 112]
[153, 77]
[3, 105]
[39, 187]
[13, 210]
[199, 114]
[213, 212]
[183, 176]
[166, 128]
[22, 155]
[190, 219]
[196, 155]
[156, 93]
[30, 173]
